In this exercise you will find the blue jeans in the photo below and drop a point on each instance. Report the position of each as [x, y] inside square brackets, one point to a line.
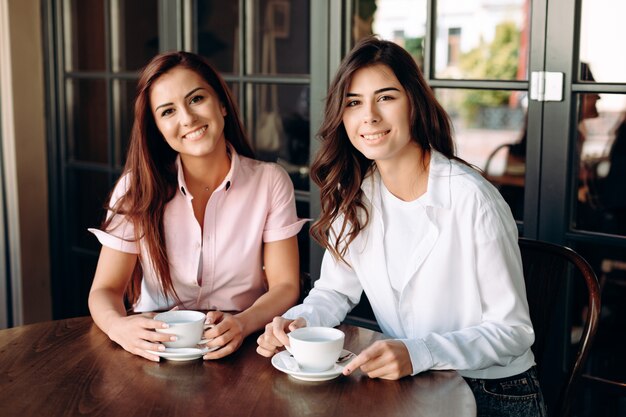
[513, 396]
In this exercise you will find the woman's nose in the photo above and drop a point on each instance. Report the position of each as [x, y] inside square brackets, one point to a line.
[187, 116]
[371, 114]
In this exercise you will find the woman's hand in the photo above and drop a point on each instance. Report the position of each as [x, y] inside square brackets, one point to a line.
[137, 335]
[227, 333]
[280, 260]
[275, 335]
[386, 359]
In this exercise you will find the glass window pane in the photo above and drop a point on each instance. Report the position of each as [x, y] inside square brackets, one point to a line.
[482, 40]
[602, 23]
[88, 192]
[124, 92]
[601, 175]
[84, 35]
[280, 130]
[281, 38]
[304, 241]
[87, 120]
[489, 128]
[135, 29]
[234, 92]
[217, 25]
[399, 21]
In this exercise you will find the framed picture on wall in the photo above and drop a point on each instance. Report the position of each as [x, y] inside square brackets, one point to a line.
[279, 13]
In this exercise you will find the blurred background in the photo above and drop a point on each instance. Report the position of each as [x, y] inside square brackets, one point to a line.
[536, 90]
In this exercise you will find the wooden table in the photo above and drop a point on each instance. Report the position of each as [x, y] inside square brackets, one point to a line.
[70, 368]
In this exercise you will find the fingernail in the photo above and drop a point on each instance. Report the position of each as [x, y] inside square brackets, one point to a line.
[165, 326]
[173, 338]
[161, 348]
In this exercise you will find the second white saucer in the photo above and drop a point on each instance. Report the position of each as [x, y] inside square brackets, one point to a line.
[279, 361]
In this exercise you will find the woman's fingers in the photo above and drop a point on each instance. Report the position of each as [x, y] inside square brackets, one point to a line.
[225, 350]
[275, 335]
[146, 349]
[387, 359]
[263, 351]
[297, 323]
[278, 330]
[227, 335]
[214, 317]
[137, 334]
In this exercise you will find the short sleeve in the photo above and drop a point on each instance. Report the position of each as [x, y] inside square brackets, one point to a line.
[120, 234]
[282, 221]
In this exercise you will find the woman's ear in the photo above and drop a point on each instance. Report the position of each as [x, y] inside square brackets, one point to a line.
[224, 112]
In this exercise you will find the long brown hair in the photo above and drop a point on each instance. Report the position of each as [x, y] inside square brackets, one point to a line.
[339, 168]
[150, 165]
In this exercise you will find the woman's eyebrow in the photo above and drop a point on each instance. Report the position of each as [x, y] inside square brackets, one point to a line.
[380, 90]
[193, 91]
[186, 96]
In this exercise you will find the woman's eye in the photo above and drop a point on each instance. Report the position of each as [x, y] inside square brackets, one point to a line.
[196, 99]
[166, 112]
[352, 103]
[385, 98]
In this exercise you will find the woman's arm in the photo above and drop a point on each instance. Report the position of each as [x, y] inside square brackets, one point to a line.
[282, 271]
[134, 333]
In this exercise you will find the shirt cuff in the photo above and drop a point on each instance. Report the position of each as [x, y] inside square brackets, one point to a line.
[114, 242]
[284, 232]
[421, 358]
[304, 311]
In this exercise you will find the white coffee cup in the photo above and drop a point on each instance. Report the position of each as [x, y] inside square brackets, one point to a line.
[187, 325]
[316, 349]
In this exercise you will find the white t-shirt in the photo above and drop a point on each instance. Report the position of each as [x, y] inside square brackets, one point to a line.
[405, 224]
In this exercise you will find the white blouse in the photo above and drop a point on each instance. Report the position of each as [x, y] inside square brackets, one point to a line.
[464, 305]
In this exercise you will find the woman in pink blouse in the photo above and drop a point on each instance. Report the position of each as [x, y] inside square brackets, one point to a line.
[194, 222]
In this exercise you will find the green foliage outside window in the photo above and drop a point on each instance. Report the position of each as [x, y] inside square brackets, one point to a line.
[497, 60]
[415, 46]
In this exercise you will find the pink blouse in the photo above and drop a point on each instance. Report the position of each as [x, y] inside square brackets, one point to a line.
[222, 268]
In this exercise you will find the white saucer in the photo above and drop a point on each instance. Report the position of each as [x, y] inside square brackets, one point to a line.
[278, 361]
[183, 354]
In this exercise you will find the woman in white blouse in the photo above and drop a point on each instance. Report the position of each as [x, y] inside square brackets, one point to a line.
[432, 244]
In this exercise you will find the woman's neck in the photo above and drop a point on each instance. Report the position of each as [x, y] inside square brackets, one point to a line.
[407, 177]
[205, 174]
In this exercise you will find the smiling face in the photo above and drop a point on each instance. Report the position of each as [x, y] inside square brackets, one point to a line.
[376, 114]
[188, 113]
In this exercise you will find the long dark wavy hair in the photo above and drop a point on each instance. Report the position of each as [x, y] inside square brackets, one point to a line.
[151, 170]
[339, 168]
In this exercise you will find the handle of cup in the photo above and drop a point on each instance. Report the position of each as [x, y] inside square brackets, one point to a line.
[206, 326]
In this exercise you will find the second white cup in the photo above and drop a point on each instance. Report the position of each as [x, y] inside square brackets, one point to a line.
[316, 349]
[187, 325]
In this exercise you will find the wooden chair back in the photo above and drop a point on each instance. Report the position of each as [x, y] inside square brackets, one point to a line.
[547, 266]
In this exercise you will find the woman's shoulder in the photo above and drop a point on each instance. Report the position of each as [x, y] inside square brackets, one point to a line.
[455, 172]
[267, 178]
[270, 171]
[467, 183]
[121, 186]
